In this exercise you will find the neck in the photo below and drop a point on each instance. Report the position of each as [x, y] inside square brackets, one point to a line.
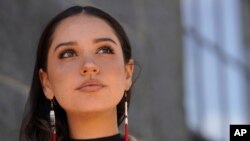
[92, 125]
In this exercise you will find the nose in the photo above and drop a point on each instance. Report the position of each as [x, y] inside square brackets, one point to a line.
[89, 68]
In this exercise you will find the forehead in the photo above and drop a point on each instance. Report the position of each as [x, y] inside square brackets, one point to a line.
[82, 27]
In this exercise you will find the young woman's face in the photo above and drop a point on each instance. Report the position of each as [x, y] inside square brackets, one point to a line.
[86, 70]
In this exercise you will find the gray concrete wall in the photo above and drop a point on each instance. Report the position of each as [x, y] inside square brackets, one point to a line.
[154, 29]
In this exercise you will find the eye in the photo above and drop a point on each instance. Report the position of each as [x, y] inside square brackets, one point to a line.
[67, 54]
[105, 50]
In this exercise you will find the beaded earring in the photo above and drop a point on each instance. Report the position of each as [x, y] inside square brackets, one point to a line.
[52, 121]
[126, 118]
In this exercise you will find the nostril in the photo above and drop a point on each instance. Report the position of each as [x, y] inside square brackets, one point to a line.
[89, 70]
[85, 71]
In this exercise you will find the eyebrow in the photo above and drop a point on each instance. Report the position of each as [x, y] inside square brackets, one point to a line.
[70, 43]
[104, 40]
[74, 43]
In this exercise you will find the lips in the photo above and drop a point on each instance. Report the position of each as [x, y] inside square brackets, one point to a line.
[90, 86]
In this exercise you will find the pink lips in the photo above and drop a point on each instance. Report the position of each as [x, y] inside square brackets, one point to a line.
[90, 86]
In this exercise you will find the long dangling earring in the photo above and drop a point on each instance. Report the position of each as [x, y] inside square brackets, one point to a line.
[52, 121]
[126, 117]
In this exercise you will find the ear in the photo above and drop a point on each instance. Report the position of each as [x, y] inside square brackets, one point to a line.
[129, 69]
[46, 84]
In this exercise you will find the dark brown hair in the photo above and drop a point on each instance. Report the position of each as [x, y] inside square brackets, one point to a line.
[35, 123]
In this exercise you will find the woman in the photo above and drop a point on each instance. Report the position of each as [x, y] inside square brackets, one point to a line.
[82, 79]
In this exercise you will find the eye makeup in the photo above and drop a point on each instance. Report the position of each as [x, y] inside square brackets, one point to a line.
[67, 53]
[105, 49]
[70, 52]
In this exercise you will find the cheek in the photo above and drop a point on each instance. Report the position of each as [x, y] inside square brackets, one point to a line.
[61, 75]
[63, 80]
[115, 68]
[114, 72]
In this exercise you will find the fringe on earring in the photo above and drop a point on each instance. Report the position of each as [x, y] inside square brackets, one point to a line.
[52, 121]
[126, 118]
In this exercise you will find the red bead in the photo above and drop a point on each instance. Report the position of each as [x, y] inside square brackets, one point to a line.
[53, 137]
[126, 132]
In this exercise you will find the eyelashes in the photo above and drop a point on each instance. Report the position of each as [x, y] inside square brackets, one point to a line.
[105, 50]
[69, 53]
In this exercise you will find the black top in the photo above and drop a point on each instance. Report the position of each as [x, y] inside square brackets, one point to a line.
[117, 137]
